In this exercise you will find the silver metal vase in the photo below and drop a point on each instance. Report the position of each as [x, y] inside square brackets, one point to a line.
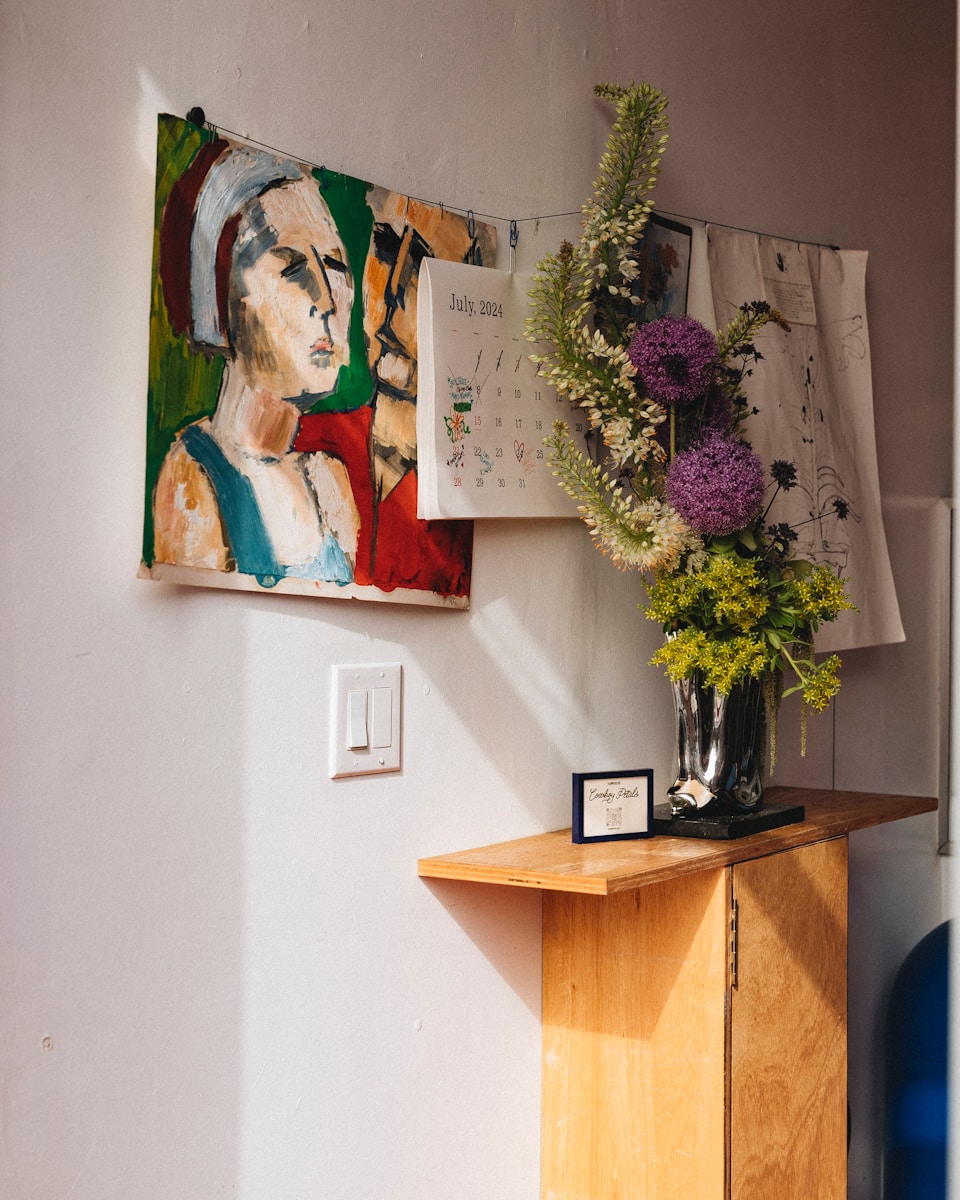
[720, 743]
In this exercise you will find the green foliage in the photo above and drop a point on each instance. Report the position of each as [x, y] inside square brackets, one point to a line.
[590, 282]
[742, 614]
[181, 385]
[583, 312]
[732, 607]
[632, 534]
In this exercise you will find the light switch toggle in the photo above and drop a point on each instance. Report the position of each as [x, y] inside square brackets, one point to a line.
[365, 719]
[357, 720]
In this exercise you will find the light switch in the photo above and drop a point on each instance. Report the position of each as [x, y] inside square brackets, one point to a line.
[365, 719]
[356, 720]
[381, 717]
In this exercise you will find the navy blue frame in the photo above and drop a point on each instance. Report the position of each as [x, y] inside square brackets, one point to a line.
[580, 779]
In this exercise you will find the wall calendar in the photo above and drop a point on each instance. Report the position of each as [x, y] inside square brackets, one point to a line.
[482, 409]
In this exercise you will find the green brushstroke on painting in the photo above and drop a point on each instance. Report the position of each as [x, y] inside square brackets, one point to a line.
[181, 386]
[346, 199]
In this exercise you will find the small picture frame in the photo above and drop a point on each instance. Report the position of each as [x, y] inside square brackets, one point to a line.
[612, 806]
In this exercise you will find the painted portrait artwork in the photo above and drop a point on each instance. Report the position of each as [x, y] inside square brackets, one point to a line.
[281, 435]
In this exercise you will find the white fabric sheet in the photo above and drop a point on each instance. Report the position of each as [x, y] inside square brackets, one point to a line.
[814, 392]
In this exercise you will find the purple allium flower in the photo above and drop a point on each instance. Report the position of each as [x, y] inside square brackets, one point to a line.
[717, 485]
[675, 358]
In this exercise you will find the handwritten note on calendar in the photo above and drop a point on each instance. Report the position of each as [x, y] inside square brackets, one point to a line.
[482, 409]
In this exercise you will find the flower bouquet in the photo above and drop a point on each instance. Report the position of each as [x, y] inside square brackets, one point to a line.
[677, 492]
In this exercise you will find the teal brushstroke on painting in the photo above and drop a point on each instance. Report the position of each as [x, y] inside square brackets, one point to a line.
[330, 564]
[249, 540]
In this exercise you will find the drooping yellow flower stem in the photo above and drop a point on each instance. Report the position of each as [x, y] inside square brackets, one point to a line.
[673, 434]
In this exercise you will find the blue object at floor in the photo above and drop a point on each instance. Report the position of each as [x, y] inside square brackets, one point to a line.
[915, 1095]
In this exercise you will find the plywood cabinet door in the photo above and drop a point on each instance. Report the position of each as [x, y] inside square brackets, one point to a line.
[634, 1042]
[788, 1057]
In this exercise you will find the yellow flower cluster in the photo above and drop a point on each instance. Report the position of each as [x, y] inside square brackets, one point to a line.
[739, 594]
[721, 663]
[822, 683]
[739, 616]
[821, 595]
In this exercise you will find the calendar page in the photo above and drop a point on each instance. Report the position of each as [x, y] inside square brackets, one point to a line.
[482, 409]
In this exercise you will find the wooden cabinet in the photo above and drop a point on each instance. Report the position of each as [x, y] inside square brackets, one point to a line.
[788, 1025]
[694, 1005]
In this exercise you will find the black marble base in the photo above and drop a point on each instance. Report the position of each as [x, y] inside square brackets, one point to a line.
[714, 826]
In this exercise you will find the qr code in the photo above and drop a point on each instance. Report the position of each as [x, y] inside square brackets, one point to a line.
[614, 818]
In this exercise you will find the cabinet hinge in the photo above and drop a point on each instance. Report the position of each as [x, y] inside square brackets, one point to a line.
[734, 944]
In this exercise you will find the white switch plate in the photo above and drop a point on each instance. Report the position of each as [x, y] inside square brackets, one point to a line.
[380, 740]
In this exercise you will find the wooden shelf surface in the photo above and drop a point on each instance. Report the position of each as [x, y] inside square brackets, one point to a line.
[552, 862]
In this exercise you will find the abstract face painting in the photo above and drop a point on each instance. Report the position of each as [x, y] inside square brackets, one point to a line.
[281, 445]
[290, 296]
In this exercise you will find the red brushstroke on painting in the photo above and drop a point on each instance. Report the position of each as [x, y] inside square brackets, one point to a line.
[394, 548]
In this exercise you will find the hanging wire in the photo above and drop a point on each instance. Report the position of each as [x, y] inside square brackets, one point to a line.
[513, 222]
[742, 229]
[469, 213]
